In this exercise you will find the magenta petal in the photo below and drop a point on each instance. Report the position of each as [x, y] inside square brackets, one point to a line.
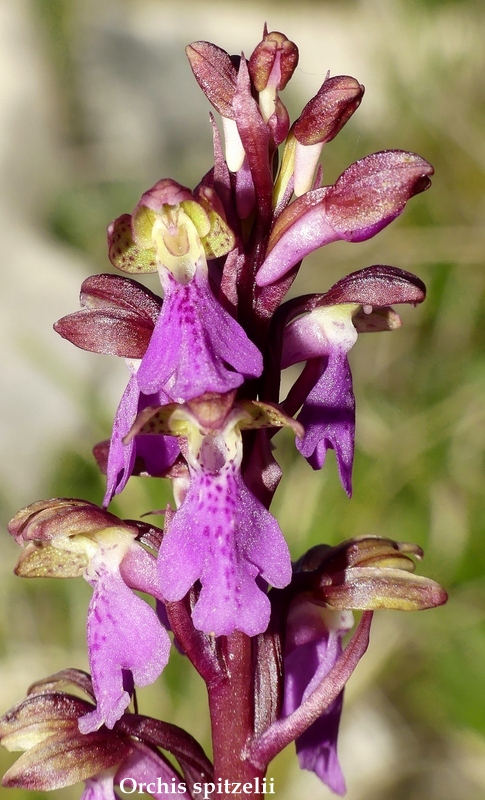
[307, 229]
[364, 199]
[158, 452]
[328, 416]
[123, 633]
[225, 537]
[196, 347]
[306, 666]
[373, 191]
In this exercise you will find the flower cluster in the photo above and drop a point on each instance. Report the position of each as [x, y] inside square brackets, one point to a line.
[201, 407]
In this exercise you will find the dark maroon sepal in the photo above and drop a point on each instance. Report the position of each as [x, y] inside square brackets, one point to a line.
[255, 138]
[61, 516]
[57, 754]
[215, 74]
[107, 291]
[117, 317]
[60, 680]
[113, 333]
[378, 285]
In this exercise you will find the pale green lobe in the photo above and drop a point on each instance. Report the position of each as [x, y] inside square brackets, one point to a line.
[124, 253]
[43, 560]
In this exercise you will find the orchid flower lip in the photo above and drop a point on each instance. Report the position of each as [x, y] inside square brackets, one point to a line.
[222, 536]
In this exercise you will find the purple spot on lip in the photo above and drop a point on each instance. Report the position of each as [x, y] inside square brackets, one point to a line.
[226, 545]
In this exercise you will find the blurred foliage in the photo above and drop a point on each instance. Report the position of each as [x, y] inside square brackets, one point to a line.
[419, 469]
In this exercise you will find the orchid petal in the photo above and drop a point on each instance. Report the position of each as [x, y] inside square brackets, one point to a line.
[196, 347]
[123, 634]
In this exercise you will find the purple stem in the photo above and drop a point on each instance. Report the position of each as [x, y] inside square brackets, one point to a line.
[197, 646]
[264, 748]
[231, 707]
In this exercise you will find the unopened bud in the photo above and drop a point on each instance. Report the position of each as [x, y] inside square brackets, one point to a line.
[326, 113]
[273, 62]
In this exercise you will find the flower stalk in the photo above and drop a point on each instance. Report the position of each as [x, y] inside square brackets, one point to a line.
[202, 405]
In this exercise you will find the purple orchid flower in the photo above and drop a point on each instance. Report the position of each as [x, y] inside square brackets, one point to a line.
[328, 413]
[323, 337]
[222, 535]
[196, 346]
[123, 632]
[313, 646]
[126, 642]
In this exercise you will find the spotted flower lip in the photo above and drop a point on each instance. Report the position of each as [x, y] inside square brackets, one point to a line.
[221, 535]
[224, 537]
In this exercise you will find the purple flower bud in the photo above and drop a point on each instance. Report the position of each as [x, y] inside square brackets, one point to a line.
[273, 61]
[326, 113]
[320, 121]
[328, 416]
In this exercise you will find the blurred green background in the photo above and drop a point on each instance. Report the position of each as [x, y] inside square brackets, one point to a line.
[97, 103]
